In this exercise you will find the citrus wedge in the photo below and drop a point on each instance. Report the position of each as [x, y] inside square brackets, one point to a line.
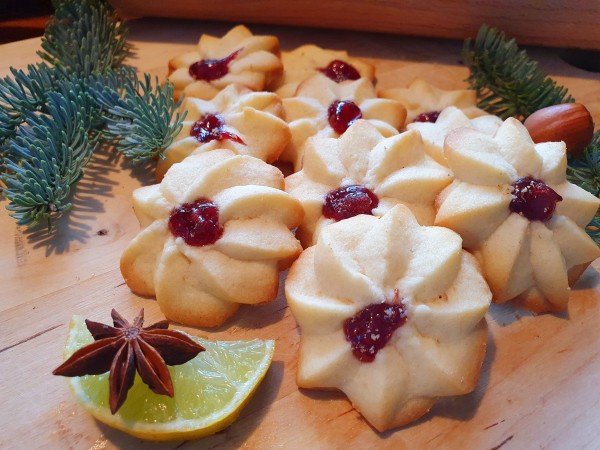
[210, 390]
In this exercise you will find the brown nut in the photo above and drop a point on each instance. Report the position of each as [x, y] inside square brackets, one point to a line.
[568, 122]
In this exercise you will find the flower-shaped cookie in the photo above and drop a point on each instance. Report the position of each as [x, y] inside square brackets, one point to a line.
[238, 57]
[238, 119]
[391, 313]
[422, 97]
[215, 233]
[326, 107]
[307, 60]
[362, 172]
[514, 209]
[434, 133]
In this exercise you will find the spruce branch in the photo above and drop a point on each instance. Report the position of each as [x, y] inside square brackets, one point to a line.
[509, 84]
[54, 114]
[47, 156]
[24, 92]
[507, 81]
[84, 37]
[584, 171]
[142, 117]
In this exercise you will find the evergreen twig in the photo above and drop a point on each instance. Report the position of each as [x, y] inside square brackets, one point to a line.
[142, 117]
[25, 92]
[507, 81]
[585, 172]
[84, 37]
[509, 84]
[54, 114]
[47, 156]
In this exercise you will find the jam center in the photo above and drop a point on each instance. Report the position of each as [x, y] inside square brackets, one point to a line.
[372, 327]
[339, 71]
[210, 128]
[533, 199]
[349, 201]
[341, 114]
[211, 69]
[430, 116]
[196, 223]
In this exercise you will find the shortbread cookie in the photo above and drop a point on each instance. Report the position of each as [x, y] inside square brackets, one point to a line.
[364, 172]
[434, 132]
[323, 106]
[423, 98]
[238, 57]
[514, 209]
[238, 119]
[391, 313]
[307, 60]
[215, 233]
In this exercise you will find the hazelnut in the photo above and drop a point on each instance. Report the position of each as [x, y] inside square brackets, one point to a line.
[568, 122]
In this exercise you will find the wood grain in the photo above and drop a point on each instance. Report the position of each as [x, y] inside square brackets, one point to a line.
[557, 23]
[539, 383]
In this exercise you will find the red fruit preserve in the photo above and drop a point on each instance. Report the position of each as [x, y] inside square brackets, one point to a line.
[341, 114]
[533, 199]
[372, 327]
[349, 201]
[196, 223]
[210, 128]
[431, 116]
[212, 69]
[339, 71]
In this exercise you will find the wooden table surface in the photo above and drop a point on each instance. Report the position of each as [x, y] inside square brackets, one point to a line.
[540, 382]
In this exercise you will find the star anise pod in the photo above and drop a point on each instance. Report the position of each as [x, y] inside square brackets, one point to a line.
[125, 348]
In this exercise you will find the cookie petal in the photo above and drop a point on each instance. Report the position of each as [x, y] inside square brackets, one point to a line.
[140, 258]
[258, 239]
[258, 202]
[183, 297]
[472, 211]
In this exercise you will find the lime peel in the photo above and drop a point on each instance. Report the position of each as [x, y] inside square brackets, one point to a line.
[210, 390]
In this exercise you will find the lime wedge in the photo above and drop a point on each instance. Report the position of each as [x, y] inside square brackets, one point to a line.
[210, 390]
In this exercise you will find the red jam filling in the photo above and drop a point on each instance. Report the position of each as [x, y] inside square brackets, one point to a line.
[210, 128]
[431, 116]
[341, 114]
[212, 69]
[196, 223]
[533, 199]
[349, 201]
[372, 327]
[339, 71]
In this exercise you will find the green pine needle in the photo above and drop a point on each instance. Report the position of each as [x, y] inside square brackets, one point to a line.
[142, 117]
[508, 83]
[25, 92]
[84, 37]
[47, 156]
[53, 116]
[584, 171]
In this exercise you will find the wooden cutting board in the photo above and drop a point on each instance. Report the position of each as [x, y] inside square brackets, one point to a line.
[540, 382]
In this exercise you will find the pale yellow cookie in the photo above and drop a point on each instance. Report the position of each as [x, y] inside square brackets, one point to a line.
[529, 252]
[307, 60]
[238, 57]
[395, 169]
[424, 293]
[308, 113]
[451, 118]
[238, 119]
[201, 268]
[423, 97]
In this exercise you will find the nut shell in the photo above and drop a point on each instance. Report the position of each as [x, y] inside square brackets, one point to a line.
[568, 122]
